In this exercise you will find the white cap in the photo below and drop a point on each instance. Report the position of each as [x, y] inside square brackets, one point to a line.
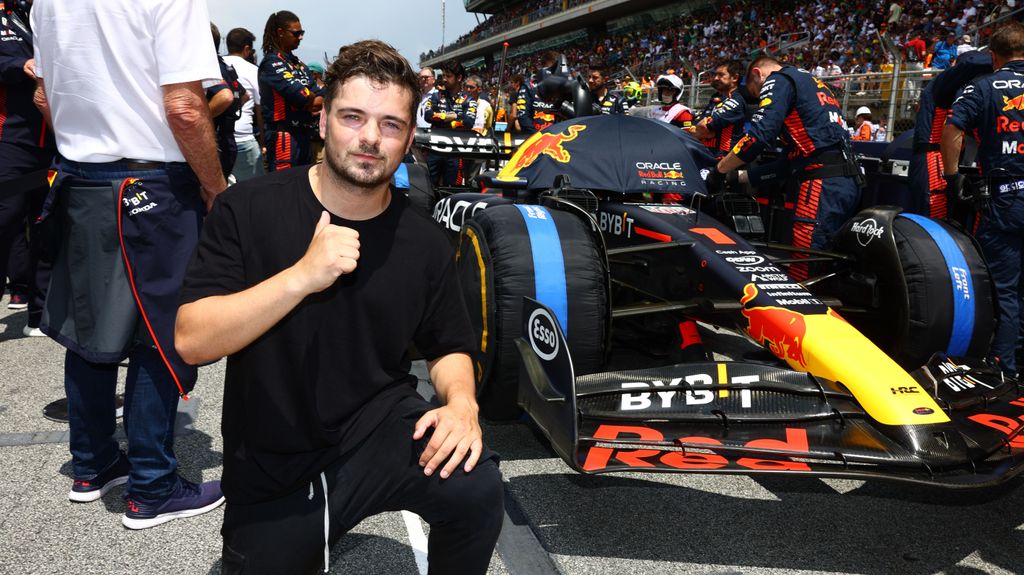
[863, 111]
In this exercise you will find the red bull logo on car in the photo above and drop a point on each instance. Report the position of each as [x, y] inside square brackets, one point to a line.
[780, 329]
[541, 144]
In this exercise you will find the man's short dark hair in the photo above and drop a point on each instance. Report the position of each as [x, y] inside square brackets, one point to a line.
[732, 67]
[454, 67]
[600, 69]
[238, 38]
[216, 36]
[377, 61]
[1008, 41]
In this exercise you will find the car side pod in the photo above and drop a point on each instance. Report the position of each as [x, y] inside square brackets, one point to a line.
[744, 418]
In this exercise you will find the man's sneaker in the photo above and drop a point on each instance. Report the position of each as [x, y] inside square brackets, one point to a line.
[85, 490]
[187, 500]
[17, 302]
[32, 332]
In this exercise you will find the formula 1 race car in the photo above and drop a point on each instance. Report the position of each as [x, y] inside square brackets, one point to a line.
[870, 369]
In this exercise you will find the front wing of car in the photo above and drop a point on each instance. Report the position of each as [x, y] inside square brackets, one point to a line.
[753, 418]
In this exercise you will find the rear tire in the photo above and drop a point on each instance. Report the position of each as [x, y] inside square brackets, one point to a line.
[495, 263]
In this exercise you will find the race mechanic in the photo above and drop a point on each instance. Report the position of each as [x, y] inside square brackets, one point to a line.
[443, 110]
[926, 179]
[721, 123]
[604, 101]
[290, 98]
[523, 102]
[26, 149]
[671, 111]
[992, 108]
[802, 111]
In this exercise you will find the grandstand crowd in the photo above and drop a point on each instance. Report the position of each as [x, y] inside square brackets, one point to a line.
[827, 37]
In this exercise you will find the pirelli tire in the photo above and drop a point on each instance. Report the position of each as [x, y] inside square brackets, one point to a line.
[495, 259]
[933, 288]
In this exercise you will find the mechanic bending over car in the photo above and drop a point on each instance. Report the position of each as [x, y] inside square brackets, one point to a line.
[313, 282]
[802, 111]
[992, 107]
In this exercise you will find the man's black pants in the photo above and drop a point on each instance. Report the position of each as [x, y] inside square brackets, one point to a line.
[286, 535]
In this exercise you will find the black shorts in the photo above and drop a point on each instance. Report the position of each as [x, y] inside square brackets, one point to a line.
[287, 535]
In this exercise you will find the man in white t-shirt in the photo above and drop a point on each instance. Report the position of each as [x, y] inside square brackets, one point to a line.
[242, 56]
[130, 204]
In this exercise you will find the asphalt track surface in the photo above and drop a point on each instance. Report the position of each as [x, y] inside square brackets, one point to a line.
[557, 521]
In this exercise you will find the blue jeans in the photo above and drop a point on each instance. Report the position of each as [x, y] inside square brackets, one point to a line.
[249, 162]
[151, 396]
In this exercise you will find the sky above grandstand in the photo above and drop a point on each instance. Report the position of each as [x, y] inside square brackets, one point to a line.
[411, 26]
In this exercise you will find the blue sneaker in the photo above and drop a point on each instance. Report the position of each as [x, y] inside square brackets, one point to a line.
[86, 490]
[187, 500]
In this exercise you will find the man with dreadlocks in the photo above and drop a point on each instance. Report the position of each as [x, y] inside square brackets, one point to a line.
[288, 94]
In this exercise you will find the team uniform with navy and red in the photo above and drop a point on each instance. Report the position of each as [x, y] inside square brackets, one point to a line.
[992, 109]
[802, 111]
[444, 110]
[524, 109]
[26, 149]
[224, 124]
[610, 104]
[726, 117]
[926, 179]
[545, 114]
[286, 87]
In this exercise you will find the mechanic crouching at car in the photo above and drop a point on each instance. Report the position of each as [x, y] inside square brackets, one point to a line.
[992, 107]
[803, 111]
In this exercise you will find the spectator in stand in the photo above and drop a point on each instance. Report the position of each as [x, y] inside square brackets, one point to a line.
[289, 96]
[943, 53]
[964, 46]
[133, 130]
[26, 149]
[863, 130]
[249, 126]
[604, 101]
[916, 52]
[225, 100]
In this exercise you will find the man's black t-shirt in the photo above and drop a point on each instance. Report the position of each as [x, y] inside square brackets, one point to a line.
[317, 383]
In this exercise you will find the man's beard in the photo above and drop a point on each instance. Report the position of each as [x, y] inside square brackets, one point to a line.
[352, 176]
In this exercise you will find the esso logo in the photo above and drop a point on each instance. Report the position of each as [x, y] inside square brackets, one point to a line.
[543, 334]
[746, 260]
